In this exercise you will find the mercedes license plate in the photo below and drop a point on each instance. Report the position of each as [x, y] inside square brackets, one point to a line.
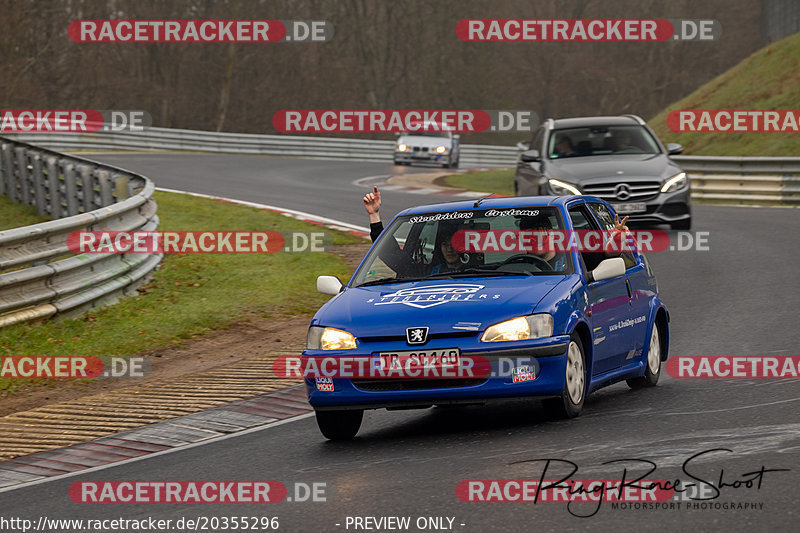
[639, 207]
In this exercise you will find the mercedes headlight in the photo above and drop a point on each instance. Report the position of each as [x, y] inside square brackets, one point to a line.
[675, 183]
[441, 149]
[520, 329]
[562, 188]
[402, 147]
[329, 339]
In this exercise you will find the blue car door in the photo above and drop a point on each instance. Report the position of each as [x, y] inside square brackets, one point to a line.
[609, 303]
[635, 327]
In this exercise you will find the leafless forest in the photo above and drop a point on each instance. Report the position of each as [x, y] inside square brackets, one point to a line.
[396, 54]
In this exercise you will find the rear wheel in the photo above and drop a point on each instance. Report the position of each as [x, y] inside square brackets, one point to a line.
[570, 403]
[653, 368]
[339, 425]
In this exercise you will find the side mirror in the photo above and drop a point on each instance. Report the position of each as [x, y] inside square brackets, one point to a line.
[523, 146]
[530, 156]
[608, 268]
[329, 285]
[674, 149]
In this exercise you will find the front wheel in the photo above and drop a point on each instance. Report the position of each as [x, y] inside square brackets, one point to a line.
[570, 403]
[653, 368]
[682, 225]
[339, 425]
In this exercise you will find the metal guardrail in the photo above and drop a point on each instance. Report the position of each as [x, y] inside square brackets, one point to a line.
[39, 276]
[244, 143]
[353, 149]
[779, 188]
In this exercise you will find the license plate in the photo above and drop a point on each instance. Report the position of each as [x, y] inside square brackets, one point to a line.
[639, 207]
[418, 359]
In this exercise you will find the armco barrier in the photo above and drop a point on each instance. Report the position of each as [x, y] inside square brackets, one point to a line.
[778, 187]
[39, 277]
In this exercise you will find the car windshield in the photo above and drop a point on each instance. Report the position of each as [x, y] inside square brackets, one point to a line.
[473, 243]
[601, 140]
[426, 134]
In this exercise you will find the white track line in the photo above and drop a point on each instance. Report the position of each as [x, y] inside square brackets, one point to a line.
[156, 454]
[297, 214]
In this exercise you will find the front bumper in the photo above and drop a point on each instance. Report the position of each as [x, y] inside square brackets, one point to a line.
[427, 156]
[665, 208]
[547, 357]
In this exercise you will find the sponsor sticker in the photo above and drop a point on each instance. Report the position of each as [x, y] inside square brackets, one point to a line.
[324, 384]
[523, 373]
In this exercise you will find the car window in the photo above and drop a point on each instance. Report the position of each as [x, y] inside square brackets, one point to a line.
[607, 220]
[496, 241]
[601, 140]
[583, 221]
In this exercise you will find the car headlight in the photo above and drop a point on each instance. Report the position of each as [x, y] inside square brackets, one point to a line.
[520, 329]
[675, 183]
[561, 188]
[329, 339]
[441, 149]
[402, 147]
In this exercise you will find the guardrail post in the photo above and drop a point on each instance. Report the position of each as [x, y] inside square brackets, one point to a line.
[38, 185]
[121, 187]
[71, 188]
[56, 210]
[106, 194]
[87, 188]
[4, 167]
[15, 185]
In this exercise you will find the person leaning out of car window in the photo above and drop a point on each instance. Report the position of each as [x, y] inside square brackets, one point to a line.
[445, 257]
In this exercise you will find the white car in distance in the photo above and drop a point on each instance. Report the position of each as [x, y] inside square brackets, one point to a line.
[439, 147]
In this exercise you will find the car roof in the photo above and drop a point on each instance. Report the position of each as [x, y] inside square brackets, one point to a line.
[577, 122]
[503, 202]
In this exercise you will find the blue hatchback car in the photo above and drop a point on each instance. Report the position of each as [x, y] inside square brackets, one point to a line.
[451, 282]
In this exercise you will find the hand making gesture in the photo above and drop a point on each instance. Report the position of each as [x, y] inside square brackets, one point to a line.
[372, 203]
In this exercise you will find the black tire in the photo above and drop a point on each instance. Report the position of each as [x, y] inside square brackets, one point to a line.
[683, 225]
[650, 378]
[339, 425]
[565, 406]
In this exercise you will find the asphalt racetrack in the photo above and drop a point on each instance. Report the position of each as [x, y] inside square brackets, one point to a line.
[737, 298]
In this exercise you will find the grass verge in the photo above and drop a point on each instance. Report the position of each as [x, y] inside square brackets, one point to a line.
[490, 181]
[191, 294]
[768, 79]
[14, 215]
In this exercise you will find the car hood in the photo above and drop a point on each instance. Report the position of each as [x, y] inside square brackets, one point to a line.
[629, 168]
[430, 142]
[445, 306]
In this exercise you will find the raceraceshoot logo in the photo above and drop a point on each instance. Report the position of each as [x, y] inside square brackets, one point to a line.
[424, 297]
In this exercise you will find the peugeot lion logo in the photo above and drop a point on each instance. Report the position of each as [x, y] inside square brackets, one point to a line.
[623, 191]
[417, 335]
